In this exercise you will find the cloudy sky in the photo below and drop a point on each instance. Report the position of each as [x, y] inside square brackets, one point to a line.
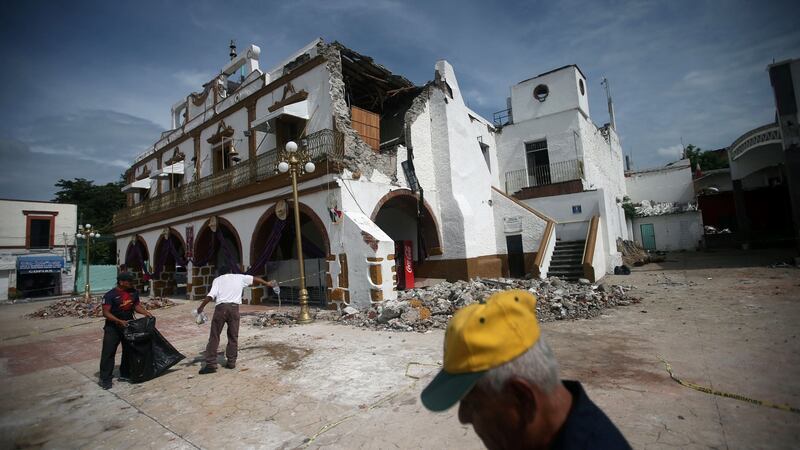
[86, 86]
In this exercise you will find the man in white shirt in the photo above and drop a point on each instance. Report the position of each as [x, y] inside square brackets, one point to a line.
[226, 291]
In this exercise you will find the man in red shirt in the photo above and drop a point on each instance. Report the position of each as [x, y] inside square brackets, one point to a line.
[119, 305]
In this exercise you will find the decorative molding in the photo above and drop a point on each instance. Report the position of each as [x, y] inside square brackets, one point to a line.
[294, 98]
[145, 174]
[51, 213]
[223, 131]
[213, 85]
[177, 156]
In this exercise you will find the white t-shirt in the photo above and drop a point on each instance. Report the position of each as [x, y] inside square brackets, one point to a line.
[228, 288]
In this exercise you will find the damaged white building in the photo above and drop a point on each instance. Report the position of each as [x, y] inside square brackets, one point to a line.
[409, 180]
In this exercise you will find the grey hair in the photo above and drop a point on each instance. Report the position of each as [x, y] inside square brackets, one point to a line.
[537, 365]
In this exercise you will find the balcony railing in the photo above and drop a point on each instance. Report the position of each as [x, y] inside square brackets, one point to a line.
[763, 135]
[324, 144]
[544, 174]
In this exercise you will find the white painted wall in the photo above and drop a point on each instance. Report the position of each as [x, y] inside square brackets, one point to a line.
[13, 221]
[532, 226]
[564, 95]
[560, 130]
[569, 227]
[667, 184]
[463, 181]
[681, 231]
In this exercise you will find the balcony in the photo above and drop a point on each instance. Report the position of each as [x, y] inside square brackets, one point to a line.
[546, 180]
[322, 145]
[760, 137]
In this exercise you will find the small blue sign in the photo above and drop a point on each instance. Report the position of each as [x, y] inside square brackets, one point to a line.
[39, 264]
[576, 209]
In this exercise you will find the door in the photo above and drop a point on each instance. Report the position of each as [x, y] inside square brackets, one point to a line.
[538, 160]
[516, 257]
[648, 236]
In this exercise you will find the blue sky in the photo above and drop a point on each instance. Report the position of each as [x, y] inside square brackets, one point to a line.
[88, 85]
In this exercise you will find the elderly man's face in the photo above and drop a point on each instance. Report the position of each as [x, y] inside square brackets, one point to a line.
[494, 416]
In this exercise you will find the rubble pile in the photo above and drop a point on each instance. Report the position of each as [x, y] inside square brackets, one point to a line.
[649, 208]
[634, 255]
[425, 308]
[275, 319]
[80, 307]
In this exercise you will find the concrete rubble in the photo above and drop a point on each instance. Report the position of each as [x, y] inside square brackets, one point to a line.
[426, 308]
[648, 208]
[634, 255]
[80, 307]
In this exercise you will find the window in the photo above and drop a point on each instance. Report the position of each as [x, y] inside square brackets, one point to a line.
[538, 162]
[541, 92]
[39, 232]
[580, 86]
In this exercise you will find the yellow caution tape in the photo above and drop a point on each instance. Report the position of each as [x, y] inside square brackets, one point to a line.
[707, 390]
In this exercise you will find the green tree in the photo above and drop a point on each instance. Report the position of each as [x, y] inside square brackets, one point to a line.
[96, 205]
[709, 160]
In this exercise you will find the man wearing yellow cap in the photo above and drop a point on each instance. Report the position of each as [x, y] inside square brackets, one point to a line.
[506, 380]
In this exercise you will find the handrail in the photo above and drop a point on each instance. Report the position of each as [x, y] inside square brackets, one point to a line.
[542, 250]
[537, 213]
[588, 249]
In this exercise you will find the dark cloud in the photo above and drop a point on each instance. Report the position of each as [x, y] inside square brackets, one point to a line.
[93, 144]
[678, 69]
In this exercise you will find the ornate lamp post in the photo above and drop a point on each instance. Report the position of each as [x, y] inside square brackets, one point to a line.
[86, 232]
[297, 162]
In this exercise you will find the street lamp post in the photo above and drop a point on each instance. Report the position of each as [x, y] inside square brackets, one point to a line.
[86, 232]
[297, 161]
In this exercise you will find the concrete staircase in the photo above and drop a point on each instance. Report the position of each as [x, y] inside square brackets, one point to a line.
[567, 260]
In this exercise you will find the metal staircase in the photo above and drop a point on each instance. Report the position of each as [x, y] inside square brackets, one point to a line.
[567, 260]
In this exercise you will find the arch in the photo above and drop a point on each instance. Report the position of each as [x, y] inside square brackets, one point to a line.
[130, 263]
[401, 198]
[175, 236]
[204, 234]
[258, 240]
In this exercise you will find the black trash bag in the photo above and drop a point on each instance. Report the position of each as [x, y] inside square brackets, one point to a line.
[622, 270]
[149, 354]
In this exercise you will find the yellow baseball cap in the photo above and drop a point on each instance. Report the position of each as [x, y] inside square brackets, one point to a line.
[480, 337]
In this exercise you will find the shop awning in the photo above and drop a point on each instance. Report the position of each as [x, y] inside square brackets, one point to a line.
[299, 110]
[39, 264]
[137, 186]
[175, 169]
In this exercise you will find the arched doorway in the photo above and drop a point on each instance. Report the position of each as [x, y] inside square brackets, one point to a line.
[136, 259]
[402, 216]
[220, 249]
[169, 268]
[274, 253]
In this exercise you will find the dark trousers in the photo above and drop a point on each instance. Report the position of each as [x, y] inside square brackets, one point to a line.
[112, 337]
[224, 314]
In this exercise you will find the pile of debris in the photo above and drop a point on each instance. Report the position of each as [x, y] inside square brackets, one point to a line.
[82, 308]
[647, 208]
[425, 308]
[634, 255]
[275, 319]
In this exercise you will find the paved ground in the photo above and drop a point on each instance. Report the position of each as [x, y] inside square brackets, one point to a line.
[330, 386]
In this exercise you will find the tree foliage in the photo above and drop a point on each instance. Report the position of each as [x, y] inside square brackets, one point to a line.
[96, 206]
[709, 160]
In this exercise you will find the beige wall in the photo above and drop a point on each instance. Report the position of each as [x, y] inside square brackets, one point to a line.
[13, 222]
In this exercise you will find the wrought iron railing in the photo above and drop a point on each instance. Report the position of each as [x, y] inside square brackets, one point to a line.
[502, 118]
[324, 144]
[767, 134]
[544, 174]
